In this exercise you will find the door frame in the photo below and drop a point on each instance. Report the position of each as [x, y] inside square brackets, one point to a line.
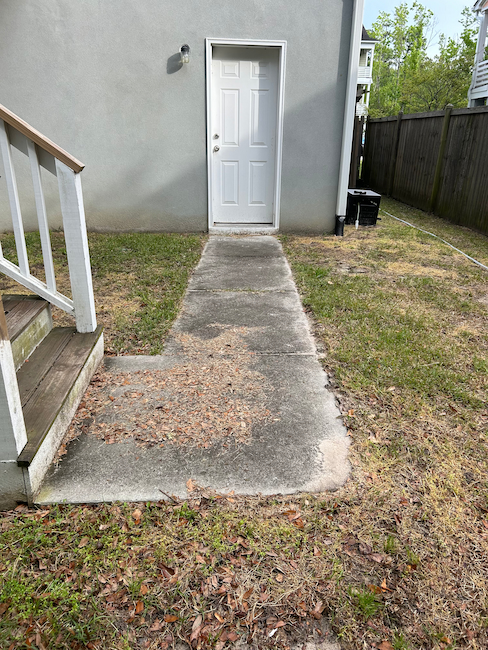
[231, 42]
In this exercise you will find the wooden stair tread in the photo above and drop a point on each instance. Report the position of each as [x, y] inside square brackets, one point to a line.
[33, 370]
[20, 311]
[62, 367]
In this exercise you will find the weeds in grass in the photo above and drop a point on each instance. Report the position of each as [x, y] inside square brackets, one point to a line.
[399, 642]
[390, 545]
[364, 601]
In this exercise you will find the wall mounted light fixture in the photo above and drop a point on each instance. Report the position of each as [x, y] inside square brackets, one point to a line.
[185, 54]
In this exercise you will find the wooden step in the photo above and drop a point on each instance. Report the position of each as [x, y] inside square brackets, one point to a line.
[50, 387]
[32, 373]
[29, 321]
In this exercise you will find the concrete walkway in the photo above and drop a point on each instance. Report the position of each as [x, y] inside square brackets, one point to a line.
[272, 425]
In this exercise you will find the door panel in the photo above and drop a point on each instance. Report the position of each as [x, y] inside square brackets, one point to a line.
[259, 118]
[230, 182]
[229, 103]
[257, 183]
[243, 142]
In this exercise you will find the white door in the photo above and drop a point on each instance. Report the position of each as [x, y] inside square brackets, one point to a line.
[243, 134]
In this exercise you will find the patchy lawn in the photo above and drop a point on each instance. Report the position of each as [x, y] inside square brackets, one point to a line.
[403, 321]
[395, 559]
[139, 280]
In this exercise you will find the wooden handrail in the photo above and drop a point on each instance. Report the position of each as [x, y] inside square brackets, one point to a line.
[43, 142]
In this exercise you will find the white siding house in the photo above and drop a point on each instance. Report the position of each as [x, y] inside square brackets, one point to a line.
[478, 91]
[365, 72]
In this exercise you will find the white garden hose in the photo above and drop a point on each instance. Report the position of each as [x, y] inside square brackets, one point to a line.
[471, 259]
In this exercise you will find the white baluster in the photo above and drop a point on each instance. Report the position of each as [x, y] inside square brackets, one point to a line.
[42, 216]
[13, 196]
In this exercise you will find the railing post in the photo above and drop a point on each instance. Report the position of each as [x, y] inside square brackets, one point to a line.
[394, 153]
[76, 238]
[13, 437]
[440, 159]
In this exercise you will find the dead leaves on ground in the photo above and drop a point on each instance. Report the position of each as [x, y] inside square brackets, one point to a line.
[211, 396]
[241, 586]
[246, 590]
[354, 548]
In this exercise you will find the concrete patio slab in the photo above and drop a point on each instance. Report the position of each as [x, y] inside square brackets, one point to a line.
[135, 363]
[242, 264]
[243, 358]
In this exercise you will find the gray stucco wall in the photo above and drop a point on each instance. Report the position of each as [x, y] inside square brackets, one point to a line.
[97, 78]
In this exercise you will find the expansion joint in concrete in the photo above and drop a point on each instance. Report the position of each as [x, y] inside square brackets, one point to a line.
[256, 291]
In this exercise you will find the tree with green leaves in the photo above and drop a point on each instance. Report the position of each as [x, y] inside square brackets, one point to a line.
[405, 77]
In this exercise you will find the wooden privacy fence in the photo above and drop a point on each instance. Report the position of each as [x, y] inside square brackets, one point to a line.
[433, 161]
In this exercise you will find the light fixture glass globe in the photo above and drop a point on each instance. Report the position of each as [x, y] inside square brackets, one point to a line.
[185, 54]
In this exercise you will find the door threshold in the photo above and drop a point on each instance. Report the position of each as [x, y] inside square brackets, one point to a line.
[242, 229]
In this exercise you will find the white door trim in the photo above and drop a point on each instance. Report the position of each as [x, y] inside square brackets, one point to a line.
[209, 42]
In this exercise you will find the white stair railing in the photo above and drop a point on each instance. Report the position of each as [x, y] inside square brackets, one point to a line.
[481, 75]
[14, 132]
[365, 72]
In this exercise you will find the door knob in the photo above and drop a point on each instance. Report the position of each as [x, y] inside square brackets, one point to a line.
[216, 148]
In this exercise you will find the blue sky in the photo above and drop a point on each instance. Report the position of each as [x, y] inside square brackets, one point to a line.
[447, 13]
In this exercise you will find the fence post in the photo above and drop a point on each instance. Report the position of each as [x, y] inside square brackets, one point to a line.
[362, 141]
[76, 239]
[394, 153]
[440, 158]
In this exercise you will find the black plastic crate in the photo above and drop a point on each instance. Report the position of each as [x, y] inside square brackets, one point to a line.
[369, 204]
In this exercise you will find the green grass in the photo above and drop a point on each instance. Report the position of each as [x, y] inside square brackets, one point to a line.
[403, 323]
[139, 281]
[400, 323]
[365, 602]
[398, 555]
[104, 575]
